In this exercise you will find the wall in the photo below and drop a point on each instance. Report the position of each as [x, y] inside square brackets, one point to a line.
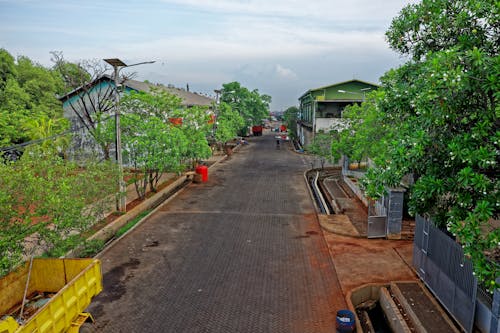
[327, 124]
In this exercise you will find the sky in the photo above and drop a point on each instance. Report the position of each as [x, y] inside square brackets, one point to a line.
[280, 47]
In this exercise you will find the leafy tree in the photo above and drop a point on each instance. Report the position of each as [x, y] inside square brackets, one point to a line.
[364, 134]
[95, 102]
[290, 117]
[196, 129]
[153, 144]
[49, 132]
[228, 123]
[27, 90]
[442, 107]
[7, 67]
[153, 147]
[251, 105]
[321, 146]
[45, 201]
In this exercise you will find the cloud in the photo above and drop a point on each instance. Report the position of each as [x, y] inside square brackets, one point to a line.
[265, 45]
[357, 10]
[285, 73]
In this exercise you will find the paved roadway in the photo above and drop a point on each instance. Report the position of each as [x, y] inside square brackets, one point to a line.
[240, 253]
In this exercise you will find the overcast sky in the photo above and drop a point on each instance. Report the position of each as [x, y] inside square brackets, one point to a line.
[280, 47]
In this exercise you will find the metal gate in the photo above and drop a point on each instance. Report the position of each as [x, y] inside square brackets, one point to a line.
[377, 219]
[376, 226]
[441, 264]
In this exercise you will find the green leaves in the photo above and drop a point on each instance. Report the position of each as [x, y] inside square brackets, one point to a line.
[228, 123]
[153, 144]
[251, 105]
[27, 91]
[442, 111]
[46, 202]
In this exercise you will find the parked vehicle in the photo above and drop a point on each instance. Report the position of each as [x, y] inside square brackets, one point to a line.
[257, 130]
[56, 292]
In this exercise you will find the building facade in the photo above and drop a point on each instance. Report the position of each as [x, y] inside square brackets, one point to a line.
[321, 109]
[89, 106]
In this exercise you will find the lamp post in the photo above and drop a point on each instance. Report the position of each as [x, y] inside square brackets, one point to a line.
[214, 128]
[355, 93]
[118, 65]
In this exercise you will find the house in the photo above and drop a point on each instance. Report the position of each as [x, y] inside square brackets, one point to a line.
[321, 109]
[89, 105]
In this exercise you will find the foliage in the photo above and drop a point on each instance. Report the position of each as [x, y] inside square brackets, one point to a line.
[90, 248]
[228, 123]
[46, 202]
[151, 144]
[364, 134]
[27, 91]
[196, 128]
[321, 146]
[95, 100]
[50, 131]
[132, 223]
[441, 113]
[155, 145]
[251, 105]
[290, 117]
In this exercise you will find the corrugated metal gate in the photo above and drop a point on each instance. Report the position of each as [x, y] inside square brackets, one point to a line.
[377, 218]
[440, 263]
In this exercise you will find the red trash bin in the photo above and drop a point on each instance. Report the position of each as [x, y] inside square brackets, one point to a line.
[203, 171]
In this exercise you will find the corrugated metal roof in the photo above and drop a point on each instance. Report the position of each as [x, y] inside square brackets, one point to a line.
[338, 84]
[188, 98]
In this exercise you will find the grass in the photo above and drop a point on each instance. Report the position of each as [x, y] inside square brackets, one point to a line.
[131, 223]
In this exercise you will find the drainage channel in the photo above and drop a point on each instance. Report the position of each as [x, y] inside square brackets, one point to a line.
[318, 191]
[373, 319]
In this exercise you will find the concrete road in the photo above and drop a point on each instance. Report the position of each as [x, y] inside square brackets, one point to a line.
[241, 253]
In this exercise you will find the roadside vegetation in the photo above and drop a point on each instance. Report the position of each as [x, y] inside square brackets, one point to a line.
[48, 201]
[436, 118]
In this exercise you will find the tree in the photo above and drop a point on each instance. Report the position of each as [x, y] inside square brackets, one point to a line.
[321, 146]
[196, 128]
[49, 132]
[47, 202]
[153, 147]
[363, 134]
[291, 116]
[94, 104]
[228, 123]
[7, 68]
[251, 105]
[442, 107]
[154, 142]
[27, 91]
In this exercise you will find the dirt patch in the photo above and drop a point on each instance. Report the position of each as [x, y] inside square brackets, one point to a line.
[361, 261]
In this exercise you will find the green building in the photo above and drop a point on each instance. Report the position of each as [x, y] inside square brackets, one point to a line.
[321, 108]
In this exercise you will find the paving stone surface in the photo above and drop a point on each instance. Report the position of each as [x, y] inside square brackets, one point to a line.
[241, 253]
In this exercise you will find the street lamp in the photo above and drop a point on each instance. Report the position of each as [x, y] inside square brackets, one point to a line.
[355, 93]
[214, 127]
[117, 66]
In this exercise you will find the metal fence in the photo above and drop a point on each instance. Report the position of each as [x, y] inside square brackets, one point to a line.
[441, 264]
